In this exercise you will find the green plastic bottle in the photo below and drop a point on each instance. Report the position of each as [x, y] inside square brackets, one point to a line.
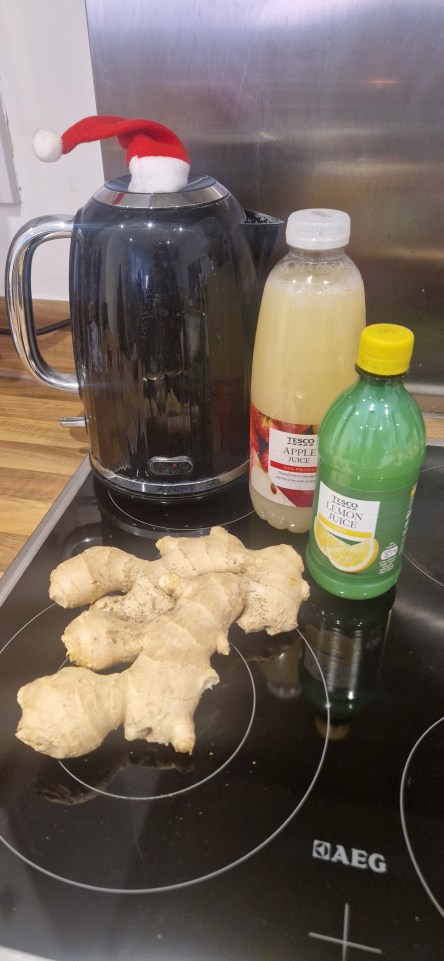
[371, 446]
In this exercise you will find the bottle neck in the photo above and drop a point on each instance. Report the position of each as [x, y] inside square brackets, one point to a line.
[379, 378]
[316, 256]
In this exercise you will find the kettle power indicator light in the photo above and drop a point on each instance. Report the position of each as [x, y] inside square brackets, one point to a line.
[170, 466]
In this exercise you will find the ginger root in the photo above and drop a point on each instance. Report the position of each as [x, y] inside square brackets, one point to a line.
[70, 713]
[111, 631]
[174, 614]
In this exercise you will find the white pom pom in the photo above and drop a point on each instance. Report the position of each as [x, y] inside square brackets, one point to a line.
[47, 145]
[153, 175]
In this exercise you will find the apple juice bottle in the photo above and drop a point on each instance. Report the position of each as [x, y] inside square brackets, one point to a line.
[310, 320]
[371, 446]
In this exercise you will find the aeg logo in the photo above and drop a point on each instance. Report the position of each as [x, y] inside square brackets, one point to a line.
[355, 858]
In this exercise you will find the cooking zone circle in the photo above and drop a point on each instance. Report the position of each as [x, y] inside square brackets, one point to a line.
[134, 817]
[425, 535]
[147, 764]
[145, 518]
[421, 806]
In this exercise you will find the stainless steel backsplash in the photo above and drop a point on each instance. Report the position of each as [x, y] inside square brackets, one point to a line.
[300, 103]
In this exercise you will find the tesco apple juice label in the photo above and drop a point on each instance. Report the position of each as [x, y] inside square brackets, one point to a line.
[283, 459]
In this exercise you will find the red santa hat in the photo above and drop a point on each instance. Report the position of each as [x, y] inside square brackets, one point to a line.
[158, 161]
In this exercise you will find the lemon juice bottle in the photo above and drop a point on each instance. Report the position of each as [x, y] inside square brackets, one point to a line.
[371, 447]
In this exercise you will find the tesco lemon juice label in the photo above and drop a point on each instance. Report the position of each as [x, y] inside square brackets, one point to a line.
[353, 534]
[348, 517]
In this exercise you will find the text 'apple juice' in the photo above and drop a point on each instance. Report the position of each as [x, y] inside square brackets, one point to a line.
[310, 321]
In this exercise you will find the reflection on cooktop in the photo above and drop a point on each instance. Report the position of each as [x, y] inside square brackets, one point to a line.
[425, 539]
[148, 519]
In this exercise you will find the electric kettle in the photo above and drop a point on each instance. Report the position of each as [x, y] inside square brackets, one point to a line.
[165, 278]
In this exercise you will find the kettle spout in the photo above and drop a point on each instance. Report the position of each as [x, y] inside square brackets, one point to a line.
[262, 233]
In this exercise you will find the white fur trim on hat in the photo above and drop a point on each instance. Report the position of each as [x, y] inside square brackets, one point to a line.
[47, 145]
[153, 175]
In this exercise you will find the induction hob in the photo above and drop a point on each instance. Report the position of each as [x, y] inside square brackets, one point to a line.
[308, 824]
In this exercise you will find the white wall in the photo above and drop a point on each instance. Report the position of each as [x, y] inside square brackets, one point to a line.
[46, 81]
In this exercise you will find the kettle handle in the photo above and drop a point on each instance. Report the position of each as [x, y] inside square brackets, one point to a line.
[19, 297]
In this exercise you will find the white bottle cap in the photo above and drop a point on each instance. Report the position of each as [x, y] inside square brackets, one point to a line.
[318, 229]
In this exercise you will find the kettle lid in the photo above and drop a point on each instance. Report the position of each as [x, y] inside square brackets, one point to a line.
[197, 192]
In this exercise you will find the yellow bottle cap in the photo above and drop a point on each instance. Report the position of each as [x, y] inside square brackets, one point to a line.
[385, 349]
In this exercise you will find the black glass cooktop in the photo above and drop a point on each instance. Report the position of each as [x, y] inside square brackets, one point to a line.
[307, 825]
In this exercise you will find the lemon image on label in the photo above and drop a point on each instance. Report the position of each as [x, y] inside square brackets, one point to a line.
[352, 558]
[323, 537]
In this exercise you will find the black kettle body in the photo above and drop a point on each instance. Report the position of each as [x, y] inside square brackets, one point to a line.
[164, 295]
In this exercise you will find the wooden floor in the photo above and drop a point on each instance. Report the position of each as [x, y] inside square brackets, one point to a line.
[37, 455]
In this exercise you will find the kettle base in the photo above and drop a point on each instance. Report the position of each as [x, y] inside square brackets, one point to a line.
[146, 517]
[168, 493]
